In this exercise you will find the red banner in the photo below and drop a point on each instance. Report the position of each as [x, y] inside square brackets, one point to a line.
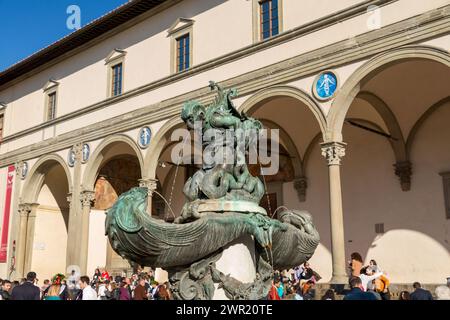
[6, 214]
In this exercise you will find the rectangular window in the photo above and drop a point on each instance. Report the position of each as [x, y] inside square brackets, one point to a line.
[51, 106]
[116, 85]
[183, 52]
[269, 21]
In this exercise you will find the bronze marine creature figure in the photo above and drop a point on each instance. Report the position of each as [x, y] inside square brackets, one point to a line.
[222, 206]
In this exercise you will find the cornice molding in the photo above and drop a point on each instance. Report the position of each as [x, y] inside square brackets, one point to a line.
[108, 34]
[183, 22]
[300, 31]
[50, 84]
[407, 32]
[115, 54]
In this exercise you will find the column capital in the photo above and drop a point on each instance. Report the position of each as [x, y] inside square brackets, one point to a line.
[301, 184]
[87, 197]
[150, 184]
[403, 169]
[25, 209]
[333, 152]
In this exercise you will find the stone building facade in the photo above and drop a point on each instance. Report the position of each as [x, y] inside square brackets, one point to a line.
[366, 153]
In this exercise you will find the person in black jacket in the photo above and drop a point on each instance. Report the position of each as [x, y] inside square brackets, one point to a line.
[419, 293]
[356, 292]
[27, 290]
[5, 289]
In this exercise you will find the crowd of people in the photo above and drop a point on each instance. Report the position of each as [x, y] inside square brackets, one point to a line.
[101, 286]
[371, 283]
[367, 282]
[296, 284]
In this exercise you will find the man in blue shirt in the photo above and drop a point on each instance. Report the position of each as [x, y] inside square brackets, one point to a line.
[357, 292]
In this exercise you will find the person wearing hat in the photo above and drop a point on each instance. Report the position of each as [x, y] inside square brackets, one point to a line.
[53, 292]
[58, 280]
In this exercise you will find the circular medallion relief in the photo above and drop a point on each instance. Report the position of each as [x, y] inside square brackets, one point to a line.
[145, 135]
[325, 86]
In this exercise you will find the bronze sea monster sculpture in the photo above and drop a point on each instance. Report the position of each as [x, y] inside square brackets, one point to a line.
[222, 206]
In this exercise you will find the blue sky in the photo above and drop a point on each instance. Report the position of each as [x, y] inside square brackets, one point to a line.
[27, 26]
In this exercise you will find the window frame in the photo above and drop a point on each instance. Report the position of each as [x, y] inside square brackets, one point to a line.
[186, 44]
[113, 80]
[257, 23]
[51, 110]
[51, 89]
[116, 57]
[175, 33]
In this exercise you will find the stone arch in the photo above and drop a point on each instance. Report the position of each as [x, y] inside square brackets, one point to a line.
[419, 123]
[32, 210]
[315, 141]
[100, 159]
[265, 94]
[398, 144]
[157, 146]
[290, 146]
[95, 161]
[351, 88]
[433, 251]
[35, 179]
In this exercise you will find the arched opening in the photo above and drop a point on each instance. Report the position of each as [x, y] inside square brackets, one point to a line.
[302, 180]
[46, 230]
[172, 173]
[390, 182]
[114, 168]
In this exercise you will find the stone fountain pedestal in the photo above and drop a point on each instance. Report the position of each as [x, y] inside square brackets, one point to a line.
[161, 275]
[237, 260]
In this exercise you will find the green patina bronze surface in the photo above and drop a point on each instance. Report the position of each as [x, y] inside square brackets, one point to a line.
[222, 206]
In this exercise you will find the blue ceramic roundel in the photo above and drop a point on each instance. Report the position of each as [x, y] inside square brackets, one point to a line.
[86, 152]
[145, 134]
[326, 85]
[71, 158]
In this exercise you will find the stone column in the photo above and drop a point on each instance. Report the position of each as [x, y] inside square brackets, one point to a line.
[15, 221]
[24, 210]
[74, 227]
[27, 236]
[151, 185]
[87, 197]
[333, 153]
